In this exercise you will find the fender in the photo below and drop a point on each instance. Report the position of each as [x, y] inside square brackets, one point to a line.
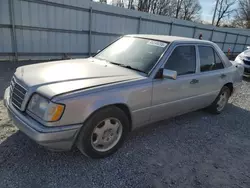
[102, 103]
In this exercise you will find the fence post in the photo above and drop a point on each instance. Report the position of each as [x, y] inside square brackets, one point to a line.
[139, 25]
[170, 30]
[90, 30]
[235, 43]
[13, 30]
[212, 34]
[194, 31]
[224, 41]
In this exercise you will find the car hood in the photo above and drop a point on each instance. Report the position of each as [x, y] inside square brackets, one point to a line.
[58, 77]
[246, 53]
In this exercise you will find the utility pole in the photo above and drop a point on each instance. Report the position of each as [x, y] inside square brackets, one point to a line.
[217, 1]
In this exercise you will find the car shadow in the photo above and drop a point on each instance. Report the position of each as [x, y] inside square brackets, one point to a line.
[185, 151]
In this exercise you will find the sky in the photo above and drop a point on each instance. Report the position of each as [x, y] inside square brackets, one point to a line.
[207, 9]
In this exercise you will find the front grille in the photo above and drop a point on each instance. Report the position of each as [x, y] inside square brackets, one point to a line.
[246, 70]
[247, 62]
[17, 94]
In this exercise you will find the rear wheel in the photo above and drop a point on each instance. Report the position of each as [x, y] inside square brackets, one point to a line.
[221, 101]
[103, 133]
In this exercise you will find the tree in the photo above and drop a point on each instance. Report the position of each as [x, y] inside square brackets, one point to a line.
[178, 7]
[191, 10]
[144, 5]
[163, 7]
[182, 9]
[224, 9]
[130, 4]
[242, 18]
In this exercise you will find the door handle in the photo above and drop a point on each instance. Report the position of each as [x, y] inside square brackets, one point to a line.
[223, 75]
[194, 81]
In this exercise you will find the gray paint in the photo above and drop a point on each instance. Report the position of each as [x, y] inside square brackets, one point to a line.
[63, 26]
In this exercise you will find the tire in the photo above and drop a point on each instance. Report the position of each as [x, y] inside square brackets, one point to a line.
[98, 132]
[216, 107]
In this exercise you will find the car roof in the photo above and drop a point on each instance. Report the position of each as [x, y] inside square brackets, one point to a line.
[167, 38]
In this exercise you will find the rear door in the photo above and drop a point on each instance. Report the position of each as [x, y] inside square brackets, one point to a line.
[212, 75]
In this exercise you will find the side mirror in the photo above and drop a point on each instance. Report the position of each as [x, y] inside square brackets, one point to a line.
[169, 74]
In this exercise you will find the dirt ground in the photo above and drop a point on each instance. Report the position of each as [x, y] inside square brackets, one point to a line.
[194, 150]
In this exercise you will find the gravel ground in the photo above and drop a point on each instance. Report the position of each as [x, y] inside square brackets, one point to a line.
[193, 150]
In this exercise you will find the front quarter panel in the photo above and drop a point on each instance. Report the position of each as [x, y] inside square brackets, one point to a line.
[135, 95]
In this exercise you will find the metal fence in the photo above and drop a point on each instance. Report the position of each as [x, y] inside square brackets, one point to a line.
[48, 29]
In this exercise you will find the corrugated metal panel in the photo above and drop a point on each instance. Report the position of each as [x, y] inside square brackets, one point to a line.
[182, 31]
[78, 3]
[238, 48]
[25, 13]
[20, 40]
[205, 34]
[248, 41]
[148, 27]
[51, 42]
[18, 14]
[218, 36]
[5, 40]
[4, 12]
[44, 41]
[241, 39]
[231, 38]
[99, 42]
[114, 24]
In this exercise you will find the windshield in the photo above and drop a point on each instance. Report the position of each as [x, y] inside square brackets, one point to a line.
[134, 53]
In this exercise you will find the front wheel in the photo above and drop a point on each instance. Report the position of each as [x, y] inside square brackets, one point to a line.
[221, 101]
[103, 133]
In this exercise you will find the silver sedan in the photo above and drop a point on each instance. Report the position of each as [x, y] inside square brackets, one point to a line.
[94, 103]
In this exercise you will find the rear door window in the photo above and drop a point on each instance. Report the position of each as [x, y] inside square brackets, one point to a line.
[218, 62]
[209, 59]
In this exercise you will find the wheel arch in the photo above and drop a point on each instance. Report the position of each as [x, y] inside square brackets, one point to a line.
[230, 86]
[122, 106]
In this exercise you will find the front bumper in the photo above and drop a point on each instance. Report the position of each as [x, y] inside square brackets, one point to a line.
[55, 138]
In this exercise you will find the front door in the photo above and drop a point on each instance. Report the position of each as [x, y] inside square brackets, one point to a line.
[174, 97]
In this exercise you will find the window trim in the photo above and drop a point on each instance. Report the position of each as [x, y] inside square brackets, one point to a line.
[196, 57]
[211, 46]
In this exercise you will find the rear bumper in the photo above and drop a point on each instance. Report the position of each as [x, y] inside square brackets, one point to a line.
[56, 138]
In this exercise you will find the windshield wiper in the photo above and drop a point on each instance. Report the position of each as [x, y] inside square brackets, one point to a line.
[128, 67]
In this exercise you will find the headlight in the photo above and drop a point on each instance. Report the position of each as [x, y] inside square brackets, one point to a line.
[45, 109]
